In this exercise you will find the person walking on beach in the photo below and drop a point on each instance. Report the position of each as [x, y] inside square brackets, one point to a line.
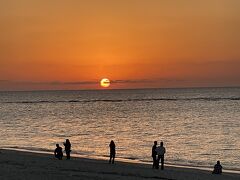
[154, 155]
[112, 152]
[160, 152]
[67, 145]
[58, 152]
[217, 168]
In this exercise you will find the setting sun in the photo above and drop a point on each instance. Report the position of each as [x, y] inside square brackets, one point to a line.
[98, 77]
[105, 82]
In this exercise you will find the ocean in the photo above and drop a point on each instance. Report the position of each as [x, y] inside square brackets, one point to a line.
[197, 125]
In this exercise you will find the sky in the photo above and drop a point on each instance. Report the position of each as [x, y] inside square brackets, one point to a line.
[73, 44]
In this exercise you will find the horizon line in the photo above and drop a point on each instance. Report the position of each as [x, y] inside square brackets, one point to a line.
[112, 89]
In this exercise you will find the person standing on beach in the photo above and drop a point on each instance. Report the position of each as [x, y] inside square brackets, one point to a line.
[67, 145]
[217, 168]
[154, 155]
[58, 152]
[112, 152]
[160, 152]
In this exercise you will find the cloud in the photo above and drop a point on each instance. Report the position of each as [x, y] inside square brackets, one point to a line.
[146, 81]
[118, 81]
[73, 83]
[131, 81]
[49, 83]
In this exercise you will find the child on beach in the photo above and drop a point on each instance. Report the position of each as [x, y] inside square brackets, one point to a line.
[58, 152]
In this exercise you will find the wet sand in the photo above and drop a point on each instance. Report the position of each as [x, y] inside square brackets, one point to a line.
[27, 165]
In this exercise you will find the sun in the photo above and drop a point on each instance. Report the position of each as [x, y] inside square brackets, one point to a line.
[105, 82]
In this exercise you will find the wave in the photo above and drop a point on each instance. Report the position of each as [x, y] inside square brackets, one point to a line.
[127, 100]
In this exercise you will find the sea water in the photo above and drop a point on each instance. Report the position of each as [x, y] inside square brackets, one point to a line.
[198, 126]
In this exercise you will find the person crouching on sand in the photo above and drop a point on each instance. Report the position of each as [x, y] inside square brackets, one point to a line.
[67, 145]
[217, 168]
[160, 152]
[112, 152]
[58, 152]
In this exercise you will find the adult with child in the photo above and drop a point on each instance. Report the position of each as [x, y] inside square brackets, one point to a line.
[160, 152]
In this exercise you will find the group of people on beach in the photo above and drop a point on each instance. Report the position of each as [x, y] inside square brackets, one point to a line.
[158, 153]
[58, 153]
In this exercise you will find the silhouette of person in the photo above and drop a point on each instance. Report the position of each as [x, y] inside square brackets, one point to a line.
[160, 152]
[217, 168]
[112, 152]
[67, 145]
[154, 155]
[58, 152]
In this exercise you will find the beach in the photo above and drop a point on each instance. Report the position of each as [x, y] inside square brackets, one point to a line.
[29, 165]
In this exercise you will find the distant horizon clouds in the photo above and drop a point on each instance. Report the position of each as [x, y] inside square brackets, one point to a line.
[6, 85]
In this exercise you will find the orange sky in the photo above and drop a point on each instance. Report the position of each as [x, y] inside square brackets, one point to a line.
[72, 44]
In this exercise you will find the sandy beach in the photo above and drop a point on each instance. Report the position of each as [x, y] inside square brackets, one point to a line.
[28, 165]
